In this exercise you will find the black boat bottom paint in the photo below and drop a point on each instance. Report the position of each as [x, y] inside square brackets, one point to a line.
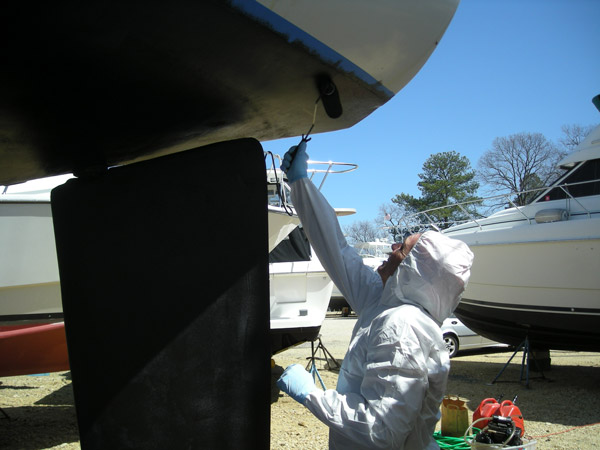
[167, 324]
[288, 337]
[546, 328]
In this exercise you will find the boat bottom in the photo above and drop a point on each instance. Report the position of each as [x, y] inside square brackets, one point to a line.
[284, 338]
[30, 319]
[544, 328]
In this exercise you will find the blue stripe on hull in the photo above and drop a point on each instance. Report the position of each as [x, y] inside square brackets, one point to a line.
[294, 34]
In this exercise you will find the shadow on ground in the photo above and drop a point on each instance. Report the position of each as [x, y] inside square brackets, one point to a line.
[38, 427]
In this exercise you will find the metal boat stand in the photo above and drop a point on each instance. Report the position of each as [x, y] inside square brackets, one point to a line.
[525, 362]
[327, 357]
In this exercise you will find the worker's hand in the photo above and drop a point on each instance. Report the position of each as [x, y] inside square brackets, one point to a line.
[296, 382]
[294, 162]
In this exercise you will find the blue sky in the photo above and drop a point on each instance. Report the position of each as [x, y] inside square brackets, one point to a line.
[503, 67]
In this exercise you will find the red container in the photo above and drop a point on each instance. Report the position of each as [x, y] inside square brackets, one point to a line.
[487, 408]
[508, 409]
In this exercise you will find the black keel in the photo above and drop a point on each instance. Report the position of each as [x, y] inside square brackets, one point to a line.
[166, 300]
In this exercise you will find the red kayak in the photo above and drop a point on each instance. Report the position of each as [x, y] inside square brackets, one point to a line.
[33, 349]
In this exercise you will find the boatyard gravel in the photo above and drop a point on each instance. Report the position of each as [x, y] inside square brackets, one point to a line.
[561, 410]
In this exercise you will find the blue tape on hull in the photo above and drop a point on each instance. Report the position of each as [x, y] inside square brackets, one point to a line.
[294, 34]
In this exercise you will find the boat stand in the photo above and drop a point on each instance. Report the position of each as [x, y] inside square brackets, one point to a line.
[525, 363]
[327, 357]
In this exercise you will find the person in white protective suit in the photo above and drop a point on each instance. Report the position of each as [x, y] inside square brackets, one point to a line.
[394, 375]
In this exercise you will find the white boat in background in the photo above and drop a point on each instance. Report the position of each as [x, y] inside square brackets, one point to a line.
[299, 292]
[29, 280]
[374, 252]
[536, 268]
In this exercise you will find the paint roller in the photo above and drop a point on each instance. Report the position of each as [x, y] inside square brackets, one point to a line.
[329, 97]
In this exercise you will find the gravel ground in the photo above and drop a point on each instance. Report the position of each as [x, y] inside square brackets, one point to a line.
[561, 411]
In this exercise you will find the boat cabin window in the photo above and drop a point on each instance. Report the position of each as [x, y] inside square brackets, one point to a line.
[295, 247]
[273, 197]
[589, 171]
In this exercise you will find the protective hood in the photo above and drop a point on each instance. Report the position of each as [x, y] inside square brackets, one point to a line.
[433, 275]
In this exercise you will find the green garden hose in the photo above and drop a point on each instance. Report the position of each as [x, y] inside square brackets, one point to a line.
[452, 443]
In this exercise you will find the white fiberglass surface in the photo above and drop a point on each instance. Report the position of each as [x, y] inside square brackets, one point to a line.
[523, 231]
[299, 300]
[27, 242]
[280, 225]
[30, 299]
[389, 40]
[537, 273]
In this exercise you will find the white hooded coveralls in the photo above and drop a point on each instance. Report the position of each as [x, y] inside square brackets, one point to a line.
[394, 375]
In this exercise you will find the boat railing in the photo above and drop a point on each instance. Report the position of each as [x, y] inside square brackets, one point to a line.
[331, 167]
[423, 219]
[277, 178]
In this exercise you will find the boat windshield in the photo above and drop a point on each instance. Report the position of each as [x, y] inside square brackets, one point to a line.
[277, 194]
[582, 181]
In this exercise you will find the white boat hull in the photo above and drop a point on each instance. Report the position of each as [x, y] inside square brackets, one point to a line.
[29, 281]
[535, 280]
[299, 298]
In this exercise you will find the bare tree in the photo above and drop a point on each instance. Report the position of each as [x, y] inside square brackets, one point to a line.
[573, 135]
[518, 163]
[389, 219]
[362, 231]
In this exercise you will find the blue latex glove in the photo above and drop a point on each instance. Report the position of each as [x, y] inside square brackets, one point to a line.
[294, 162]
[296, 382]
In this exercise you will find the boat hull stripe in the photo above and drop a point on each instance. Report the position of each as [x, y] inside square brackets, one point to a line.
[509, 306]
[295, 34]
[47, 317]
